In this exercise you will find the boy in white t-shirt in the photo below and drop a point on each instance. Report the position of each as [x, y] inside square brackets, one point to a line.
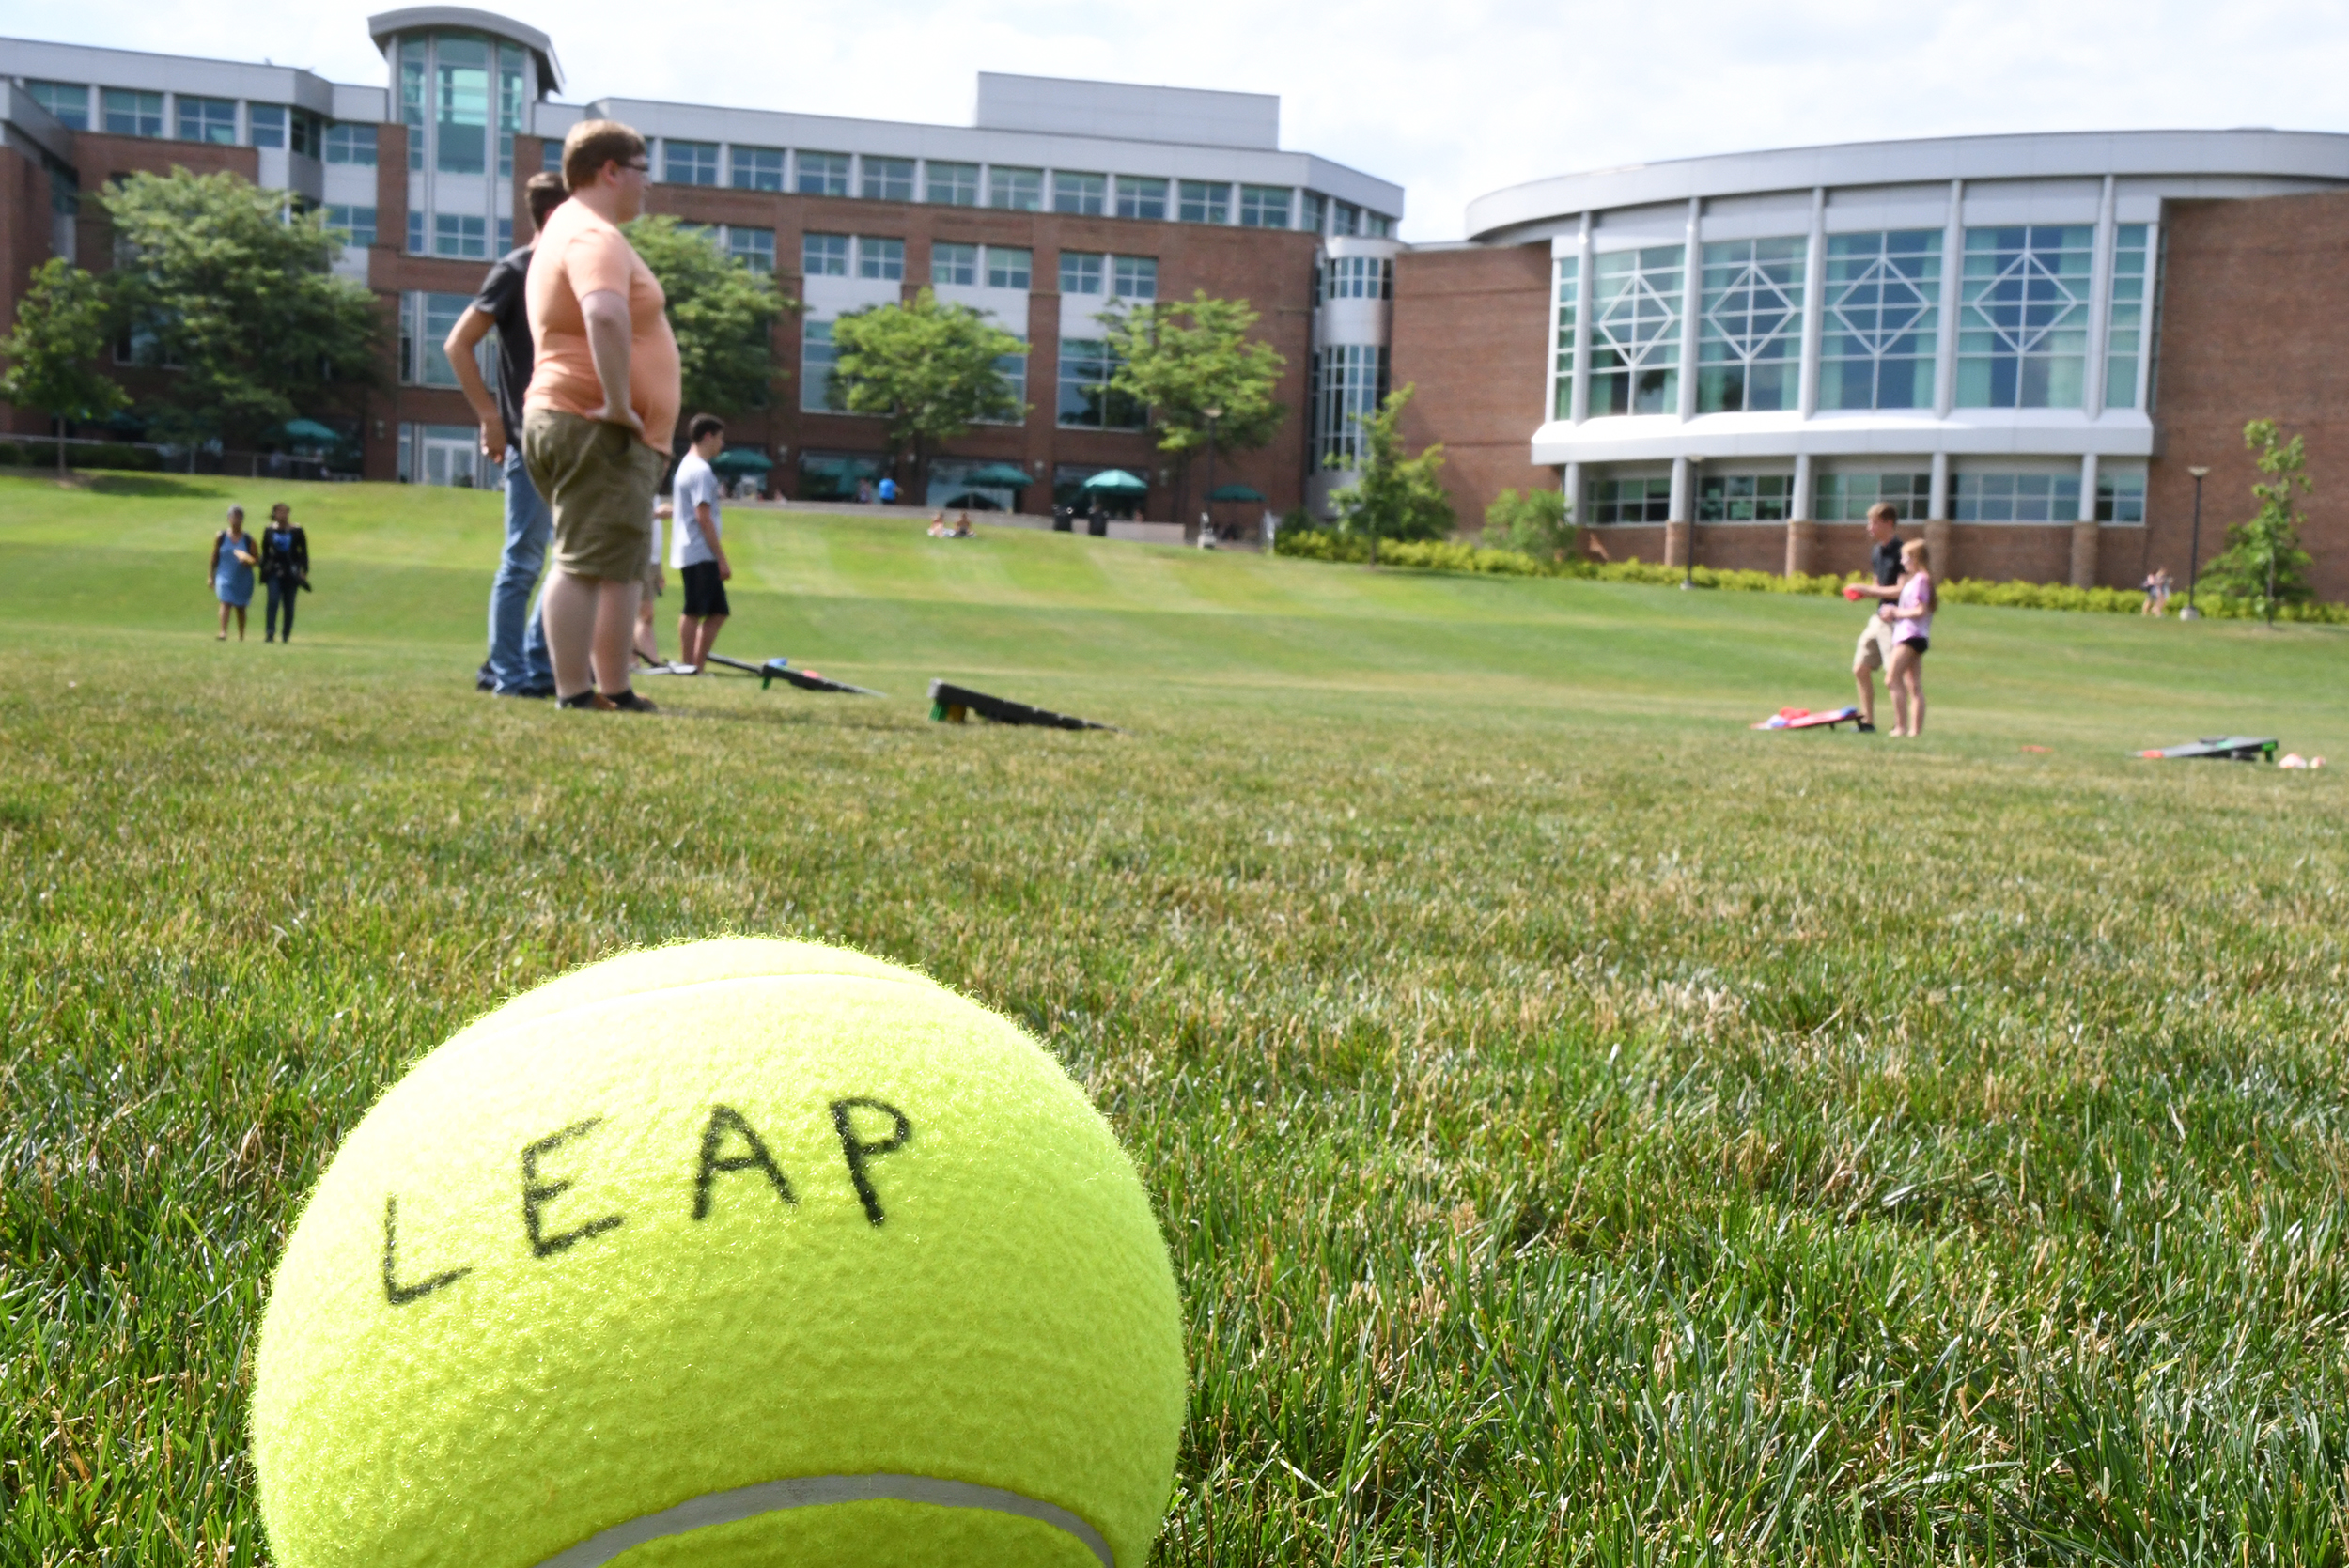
[697, 545]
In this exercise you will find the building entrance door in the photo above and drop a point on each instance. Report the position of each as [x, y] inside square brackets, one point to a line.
[451, 454]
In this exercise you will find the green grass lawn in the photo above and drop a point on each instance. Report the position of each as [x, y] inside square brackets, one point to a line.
[1587, 1130]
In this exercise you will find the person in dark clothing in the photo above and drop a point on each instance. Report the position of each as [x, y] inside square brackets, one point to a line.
[518, 665]
[1874, 650]
[1097, 519]
[285, 569]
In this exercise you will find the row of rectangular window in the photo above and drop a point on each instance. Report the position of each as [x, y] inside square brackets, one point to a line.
[1354, 277]
[874, 177]
[1346, 383]
[1974, 497]
[126, 113]
[1084, 399]
[457, 236]
[2023, 300]
[961, 266]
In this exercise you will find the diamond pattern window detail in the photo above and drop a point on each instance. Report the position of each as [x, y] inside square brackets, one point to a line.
[2022, 330]
[1750, 345]
[1635, 330]
[1882, 312]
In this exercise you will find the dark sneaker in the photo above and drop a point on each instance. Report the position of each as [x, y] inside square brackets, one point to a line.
[1865, 728]
[591, 699]
[629, 702]
[483, 680]
[525, 690]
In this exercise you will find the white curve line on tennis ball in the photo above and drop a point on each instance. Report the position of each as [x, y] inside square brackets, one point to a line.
[773, 1497]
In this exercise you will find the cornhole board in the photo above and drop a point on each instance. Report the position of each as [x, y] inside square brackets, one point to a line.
[2225, 747]
[780, 669]
[953, 705]
[1803, 719]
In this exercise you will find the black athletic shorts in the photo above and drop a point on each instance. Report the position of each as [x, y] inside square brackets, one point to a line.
[704, 591]
[1919, 644]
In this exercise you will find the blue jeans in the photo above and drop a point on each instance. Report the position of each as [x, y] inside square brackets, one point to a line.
[517, 636]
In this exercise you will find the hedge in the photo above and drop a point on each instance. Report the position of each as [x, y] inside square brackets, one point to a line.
[1459, 555]
[103, 454]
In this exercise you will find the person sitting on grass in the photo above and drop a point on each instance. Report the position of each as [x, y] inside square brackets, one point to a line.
[962, 526]
[235, 553]
[1911, 619]
[938, 524]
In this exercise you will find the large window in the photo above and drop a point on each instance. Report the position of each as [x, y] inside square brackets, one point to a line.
[460, 101]
[355, 225]
[1569, 270]
[355, 144]
[207, 119]
[1134, 277]
[68, 102]
[753, 248]
[1345, 218]
[1088, 195]
[823, 174]
[2022, 330]
[951, 184]
[425, 321]
[1377, 226]
[266, 124]
[2125, 344]
[1882, 293]
[130, 114]
[1349, 379]
[888, 179]
[2017, 497]
[818, 356]
[513, 99]
[953, 266]
[1013, 369]
[1316, 212]
[756, 169]
[1848, 497]
[1016, 189]
[1083, 272]
[1635, 332]
[1610, 501]
[1744, 498]
[2120, 493]
[411, 95]
[455, 234]
[884, 259]
[1203, 202]
[1264, 206]
[689, 163]
[1361, 277]
[1750, 343]
[1009, 266]
[1086, 399]
[824, 255]
[1141, 198]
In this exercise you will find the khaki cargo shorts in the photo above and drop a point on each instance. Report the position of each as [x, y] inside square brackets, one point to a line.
[599, 481]
[1874, 651]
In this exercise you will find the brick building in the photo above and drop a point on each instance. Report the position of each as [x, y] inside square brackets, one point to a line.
[1062, 198]
[2021, 342]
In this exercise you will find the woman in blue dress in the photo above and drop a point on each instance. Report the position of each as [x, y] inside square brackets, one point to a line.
[234, 554]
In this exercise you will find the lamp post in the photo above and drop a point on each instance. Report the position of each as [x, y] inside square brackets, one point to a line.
[1206, 508]
[1688, 550]
[2194, 557]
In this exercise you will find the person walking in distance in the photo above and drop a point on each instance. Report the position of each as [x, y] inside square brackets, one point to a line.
[234, 555]
[600, 412]
[285, 569]
[697, 547]
[518, 665]
[1874, 650]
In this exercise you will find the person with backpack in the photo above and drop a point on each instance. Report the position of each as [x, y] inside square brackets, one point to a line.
[285, 570]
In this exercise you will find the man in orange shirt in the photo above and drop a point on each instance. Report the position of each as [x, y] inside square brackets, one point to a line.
[600, 412]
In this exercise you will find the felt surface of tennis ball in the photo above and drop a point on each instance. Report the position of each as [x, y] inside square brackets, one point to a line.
[740, 1253]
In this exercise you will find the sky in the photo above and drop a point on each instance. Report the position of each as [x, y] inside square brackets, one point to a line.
[1449, 100]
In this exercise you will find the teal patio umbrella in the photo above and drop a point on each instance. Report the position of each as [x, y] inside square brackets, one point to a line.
[1000, 476]
[309, 432]
[1116, 481]
[743, 460]
[1235, 492]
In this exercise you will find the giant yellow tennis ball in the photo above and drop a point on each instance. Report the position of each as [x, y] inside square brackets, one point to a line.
[742, 1252]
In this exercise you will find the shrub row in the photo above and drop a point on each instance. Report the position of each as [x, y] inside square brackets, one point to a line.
[1458, 555]
[104, 454]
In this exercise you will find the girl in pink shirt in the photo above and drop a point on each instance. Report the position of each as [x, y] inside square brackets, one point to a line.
[1912, 626]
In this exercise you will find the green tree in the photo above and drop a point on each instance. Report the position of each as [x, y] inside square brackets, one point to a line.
[721, 312]
[1534, 521]
[1397, 497]
[2264, 559]
[1179, 358]
[218, 283]
[927, 370]
[53, 354]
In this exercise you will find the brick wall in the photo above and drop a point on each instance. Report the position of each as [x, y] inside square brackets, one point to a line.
[23, 247]
[1469, 327]
[2250, 292]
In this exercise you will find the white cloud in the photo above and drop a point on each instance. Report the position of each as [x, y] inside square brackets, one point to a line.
[1450, 102]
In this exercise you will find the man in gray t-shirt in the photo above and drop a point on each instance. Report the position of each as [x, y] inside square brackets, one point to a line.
[697, 545]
